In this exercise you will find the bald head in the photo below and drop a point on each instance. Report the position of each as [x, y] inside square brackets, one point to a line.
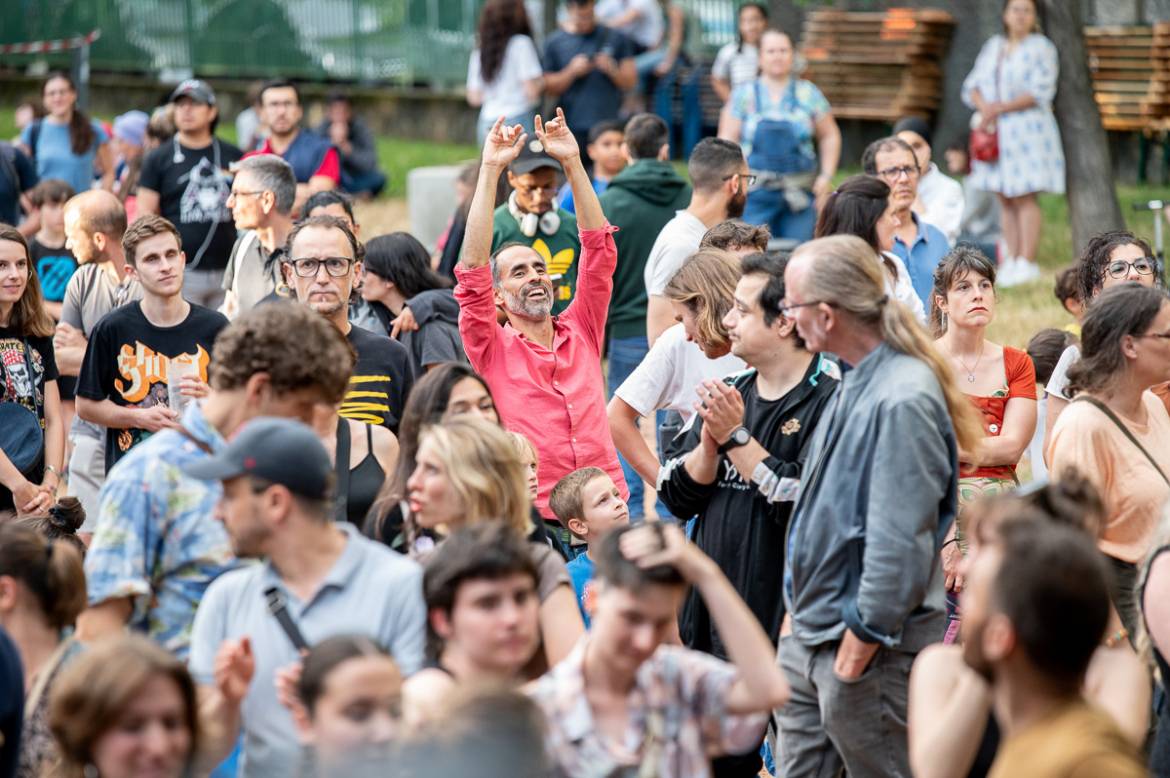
[100, 211]
[95, 222]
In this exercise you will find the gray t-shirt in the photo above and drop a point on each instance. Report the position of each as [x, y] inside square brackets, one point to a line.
[370, 591]
[251, 272]
[91, 294]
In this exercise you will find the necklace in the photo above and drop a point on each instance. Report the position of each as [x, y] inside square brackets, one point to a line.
[970, 370]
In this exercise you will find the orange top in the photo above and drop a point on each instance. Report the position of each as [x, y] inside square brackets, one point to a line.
[1020, 382]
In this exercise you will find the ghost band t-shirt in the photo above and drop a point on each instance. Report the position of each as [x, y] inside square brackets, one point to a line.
[193, 187]
[128, 360]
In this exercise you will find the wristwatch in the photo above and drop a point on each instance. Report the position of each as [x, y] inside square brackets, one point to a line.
[739, 437]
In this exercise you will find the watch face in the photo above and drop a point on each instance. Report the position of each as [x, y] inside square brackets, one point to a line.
[741, 436]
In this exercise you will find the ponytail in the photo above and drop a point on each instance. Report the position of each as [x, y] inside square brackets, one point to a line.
[845, 274]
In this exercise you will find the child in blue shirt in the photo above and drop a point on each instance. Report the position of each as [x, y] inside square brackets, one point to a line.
[589, 505]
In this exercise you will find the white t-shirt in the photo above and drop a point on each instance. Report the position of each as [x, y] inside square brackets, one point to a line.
[1058, 384]
[646, 30]
[735, 66]
[942, 202]
[505, 95]
[678, 241]
[667, 377]
[902, 289]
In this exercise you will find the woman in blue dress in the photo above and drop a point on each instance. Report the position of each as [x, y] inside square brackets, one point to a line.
[790, 138]
[1011, 87]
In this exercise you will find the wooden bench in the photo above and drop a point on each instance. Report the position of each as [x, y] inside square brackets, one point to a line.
[877, 66]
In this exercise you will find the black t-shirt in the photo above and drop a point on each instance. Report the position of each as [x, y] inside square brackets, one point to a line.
[382, 378]
[11, 706]
[55, 266]
[193, 195]
[127, 361]
[737, 526]
[19, 387]
[594, 97]
[14, 162]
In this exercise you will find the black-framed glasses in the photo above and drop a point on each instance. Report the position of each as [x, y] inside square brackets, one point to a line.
[894, 173]
[748, 178]
[786, 308]
[334, 266]
[243, 193]
[1119, 268]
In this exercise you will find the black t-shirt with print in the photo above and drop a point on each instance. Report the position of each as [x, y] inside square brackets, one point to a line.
[127, 361]
[192, 194]
[19, 386]
[382, 378]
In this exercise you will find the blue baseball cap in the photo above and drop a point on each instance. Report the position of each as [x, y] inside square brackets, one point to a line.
[282, 451]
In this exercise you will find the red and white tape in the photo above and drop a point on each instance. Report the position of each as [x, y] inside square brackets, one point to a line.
[45, 47]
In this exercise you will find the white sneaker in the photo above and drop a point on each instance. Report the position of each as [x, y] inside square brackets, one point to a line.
[1025, 272]
[1006, 274]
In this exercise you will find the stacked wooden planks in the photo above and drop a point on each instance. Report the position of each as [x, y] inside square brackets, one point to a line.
[877, 66]
[1130, 68]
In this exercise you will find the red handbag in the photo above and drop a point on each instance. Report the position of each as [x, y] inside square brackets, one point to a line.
[984, 145]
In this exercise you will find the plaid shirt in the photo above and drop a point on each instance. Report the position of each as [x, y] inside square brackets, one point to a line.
[678, 718]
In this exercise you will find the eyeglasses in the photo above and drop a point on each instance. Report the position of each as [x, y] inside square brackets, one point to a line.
[748, 178]
[786, 308]
[242, 193]
[1120, 268]
[334, 266]
[894, 173]
[1160, 335]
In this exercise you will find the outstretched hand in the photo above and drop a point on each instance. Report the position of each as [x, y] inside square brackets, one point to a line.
[556, 138]
[234, 668]
[503, 144]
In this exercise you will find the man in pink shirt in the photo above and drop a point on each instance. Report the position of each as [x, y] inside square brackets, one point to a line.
[544, 371]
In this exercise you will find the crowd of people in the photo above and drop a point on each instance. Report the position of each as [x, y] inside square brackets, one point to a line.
[280, 497]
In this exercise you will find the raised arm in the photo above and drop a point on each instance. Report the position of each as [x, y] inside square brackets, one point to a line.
[501, 146]
[560, 144]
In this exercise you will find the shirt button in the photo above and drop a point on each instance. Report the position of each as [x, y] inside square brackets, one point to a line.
[574, 440]
[570, 406]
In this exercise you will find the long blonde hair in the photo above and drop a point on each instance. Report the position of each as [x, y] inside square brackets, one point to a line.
[843, 273]
[705, 284]
[484, 467]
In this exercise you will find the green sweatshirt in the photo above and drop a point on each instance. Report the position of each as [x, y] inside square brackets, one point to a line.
[639, 201]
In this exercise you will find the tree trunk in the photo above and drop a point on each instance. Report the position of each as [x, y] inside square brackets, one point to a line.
[1092, 198]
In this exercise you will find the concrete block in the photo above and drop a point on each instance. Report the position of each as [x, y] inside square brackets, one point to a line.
[430, 200]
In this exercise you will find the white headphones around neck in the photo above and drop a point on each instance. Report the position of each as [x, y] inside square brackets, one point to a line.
[548, 222]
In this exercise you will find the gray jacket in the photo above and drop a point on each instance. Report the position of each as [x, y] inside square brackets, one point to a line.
[879, 491]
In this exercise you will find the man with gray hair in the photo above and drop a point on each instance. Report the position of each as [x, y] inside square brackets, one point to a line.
[261, 200]
[544, 371]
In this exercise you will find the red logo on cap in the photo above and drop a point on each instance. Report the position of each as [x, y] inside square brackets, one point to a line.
[249, 463]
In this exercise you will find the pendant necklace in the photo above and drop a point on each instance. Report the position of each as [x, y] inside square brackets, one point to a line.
[970, 370]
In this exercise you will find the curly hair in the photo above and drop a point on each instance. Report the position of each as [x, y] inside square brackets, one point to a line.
[498, 22]
[1095, 259]
[293, 344]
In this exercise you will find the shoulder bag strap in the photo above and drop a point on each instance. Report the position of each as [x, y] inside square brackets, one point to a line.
[48, 669]
[341, 469]
[278, 607]
[1121, 426]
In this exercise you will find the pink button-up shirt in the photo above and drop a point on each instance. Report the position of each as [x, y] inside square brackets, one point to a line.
[555, 398]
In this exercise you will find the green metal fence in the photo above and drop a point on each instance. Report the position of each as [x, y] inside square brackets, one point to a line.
[397, 41]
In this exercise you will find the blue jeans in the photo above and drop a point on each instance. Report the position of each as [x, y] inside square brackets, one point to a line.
[625, 354]
[768, 206]
[371, 182]
[691, 121]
